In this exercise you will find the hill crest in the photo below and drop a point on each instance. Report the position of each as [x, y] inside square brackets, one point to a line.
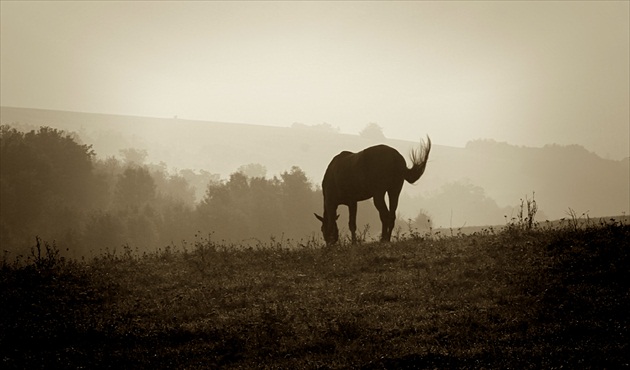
[562, 177]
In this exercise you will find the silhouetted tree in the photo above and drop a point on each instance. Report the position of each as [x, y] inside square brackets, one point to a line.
[133, 156]
[244, 208]
[253, 170]
[177, 188]
[199, 181]
[53, 187]
[372, 131]
[462, 203]
[43, 174]
[422, 222]
[267, 218]
[135, 188]
[104, 230]
[297, 200]
[217, 211]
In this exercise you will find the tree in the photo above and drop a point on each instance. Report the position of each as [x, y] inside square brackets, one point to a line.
[135, 187]
[222, 210]
[298, 201]
[134, 157]
[372, 131]
[178, 189]
[43, 173]
[422, 222]
[243, 207]
[253, 170]
[267, 217]
[461, 203]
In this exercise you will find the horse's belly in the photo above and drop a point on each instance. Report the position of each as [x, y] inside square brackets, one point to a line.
[356, 195]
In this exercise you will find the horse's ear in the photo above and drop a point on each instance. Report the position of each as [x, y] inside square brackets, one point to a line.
[319, 217]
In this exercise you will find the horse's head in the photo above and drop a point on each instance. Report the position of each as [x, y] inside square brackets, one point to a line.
[329, 228]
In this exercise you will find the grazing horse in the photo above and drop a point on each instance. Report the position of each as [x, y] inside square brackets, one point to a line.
[370, 173]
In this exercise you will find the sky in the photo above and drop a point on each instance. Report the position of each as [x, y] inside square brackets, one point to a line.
[528, 73]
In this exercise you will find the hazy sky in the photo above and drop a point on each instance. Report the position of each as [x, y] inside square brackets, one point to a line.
[529, 73]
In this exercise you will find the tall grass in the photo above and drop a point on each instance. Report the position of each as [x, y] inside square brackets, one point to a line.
[542, 297]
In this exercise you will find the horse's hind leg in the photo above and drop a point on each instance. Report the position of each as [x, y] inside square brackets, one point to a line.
[393, 204]
[352, 221]
[383, 212]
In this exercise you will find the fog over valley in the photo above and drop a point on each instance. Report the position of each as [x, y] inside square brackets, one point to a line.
[479, 184]
[146, 124]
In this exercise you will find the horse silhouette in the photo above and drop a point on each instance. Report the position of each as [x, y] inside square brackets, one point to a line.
[370, 173]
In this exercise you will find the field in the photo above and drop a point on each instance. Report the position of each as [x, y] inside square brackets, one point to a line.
[544, 298]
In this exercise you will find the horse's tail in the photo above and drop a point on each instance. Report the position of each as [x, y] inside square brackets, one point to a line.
[419, 158]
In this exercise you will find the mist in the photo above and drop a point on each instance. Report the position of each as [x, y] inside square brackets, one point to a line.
[96, 183]
[526, 73]
[173, 121]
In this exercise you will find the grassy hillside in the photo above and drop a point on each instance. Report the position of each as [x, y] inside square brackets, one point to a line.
[546, 298]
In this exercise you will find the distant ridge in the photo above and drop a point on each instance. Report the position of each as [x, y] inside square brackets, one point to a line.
[562, 177]
[183, 143]
[44, 115]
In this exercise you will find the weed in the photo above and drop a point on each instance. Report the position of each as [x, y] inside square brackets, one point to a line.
[45, 258]
[524, 220]
[575, 222]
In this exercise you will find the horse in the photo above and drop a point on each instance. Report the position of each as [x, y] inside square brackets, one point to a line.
[370, 173]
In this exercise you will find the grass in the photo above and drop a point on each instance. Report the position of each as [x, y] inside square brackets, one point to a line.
[520, 298]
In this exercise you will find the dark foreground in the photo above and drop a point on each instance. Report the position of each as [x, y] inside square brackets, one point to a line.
[535, 299]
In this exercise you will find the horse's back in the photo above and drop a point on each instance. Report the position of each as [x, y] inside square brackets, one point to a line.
[382, 158]
[359, 176]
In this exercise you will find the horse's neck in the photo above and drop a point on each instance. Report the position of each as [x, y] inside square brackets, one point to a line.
[330, 209]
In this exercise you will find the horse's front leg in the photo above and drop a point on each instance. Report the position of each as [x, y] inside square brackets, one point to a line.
[379, 203]
[352, 221]
[393, 204]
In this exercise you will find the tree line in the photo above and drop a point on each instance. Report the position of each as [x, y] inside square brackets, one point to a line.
[53, 186]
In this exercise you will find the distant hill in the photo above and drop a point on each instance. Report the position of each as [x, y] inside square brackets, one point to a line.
[562, 177]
